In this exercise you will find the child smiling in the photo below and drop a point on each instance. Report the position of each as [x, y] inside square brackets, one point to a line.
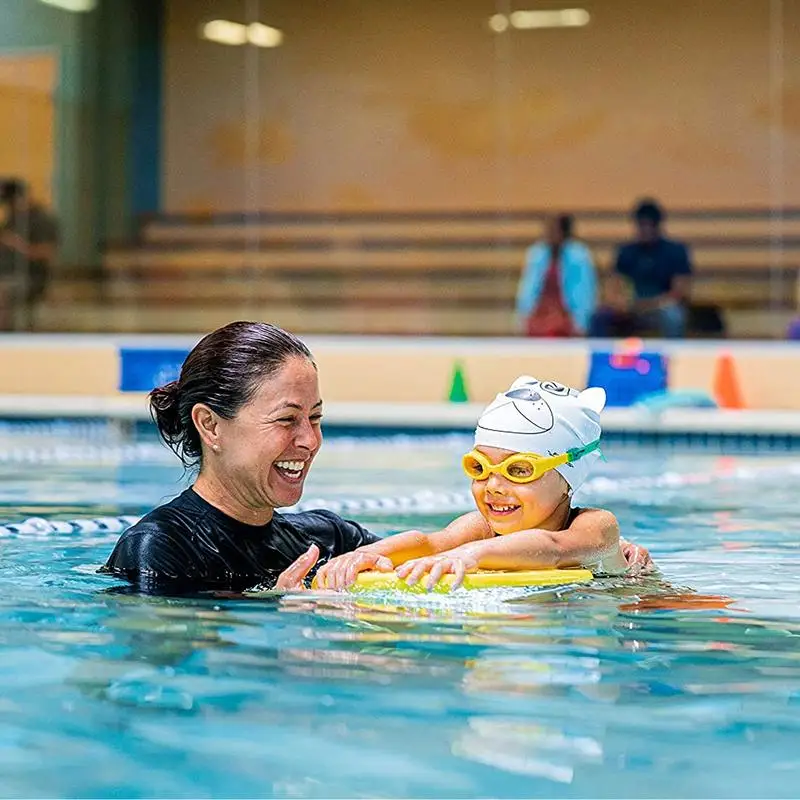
[535, 445]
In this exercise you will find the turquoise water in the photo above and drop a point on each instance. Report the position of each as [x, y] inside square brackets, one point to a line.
[682, 685]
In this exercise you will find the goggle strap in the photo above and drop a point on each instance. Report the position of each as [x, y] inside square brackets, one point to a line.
[574, 453]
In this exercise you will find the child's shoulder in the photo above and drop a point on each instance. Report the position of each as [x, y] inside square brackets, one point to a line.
[600, 514]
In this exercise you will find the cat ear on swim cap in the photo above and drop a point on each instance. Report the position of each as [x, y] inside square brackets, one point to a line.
[594, 399]
[523, 380]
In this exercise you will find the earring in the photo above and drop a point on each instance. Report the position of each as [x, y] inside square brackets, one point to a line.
[215, 448]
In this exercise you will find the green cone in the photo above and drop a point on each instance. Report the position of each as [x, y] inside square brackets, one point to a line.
[458, 385]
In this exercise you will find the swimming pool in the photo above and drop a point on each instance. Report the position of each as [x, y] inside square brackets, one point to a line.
[683, 686]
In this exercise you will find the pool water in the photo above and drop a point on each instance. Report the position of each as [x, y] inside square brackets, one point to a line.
[685, 684]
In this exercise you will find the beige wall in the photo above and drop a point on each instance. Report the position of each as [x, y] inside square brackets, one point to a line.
[386, 371]
[49, 368]
[27, 87]
[414, 104]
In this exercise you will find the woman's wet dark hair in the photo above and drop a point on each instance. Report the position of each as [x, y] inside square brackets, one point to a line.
[223, 371]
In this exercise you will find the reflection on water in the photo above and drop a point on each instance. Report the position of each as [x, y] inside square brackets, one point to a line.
[684, 684]
[322, 695]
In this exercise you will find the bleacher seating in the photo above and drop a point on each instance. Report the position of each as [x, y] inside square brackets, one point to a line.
[394, 273]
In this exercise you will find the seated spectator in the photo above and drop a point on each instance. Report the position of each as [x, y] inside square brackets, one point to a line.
[557, 292]
[615, 319]
[28, 239]
[706, 321]
[659, 270]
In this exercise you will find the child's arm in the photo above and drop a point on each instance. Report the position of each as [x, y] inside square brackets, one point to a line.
[592, 540]
[341, 571]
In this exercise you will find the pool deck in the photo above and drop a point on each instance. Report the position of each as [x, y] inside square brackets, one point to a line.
[429, 417]
[404, 382]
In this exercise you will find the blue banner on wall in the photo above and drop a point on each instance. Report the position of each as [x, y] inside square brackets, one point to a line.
[141, 370]
[627, 377]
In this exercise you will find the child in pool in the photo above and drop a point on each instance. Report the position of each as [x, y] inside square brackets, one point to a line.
[534, 446]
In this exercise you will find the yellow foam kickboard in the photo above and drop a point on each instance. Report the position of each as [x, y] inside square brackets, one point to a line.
[381, 581]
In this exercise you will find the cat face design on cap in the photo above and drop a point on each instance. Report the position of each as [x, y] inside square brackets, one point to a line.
[545, 417]
[593, 399]
[531, 410]
[527, 383]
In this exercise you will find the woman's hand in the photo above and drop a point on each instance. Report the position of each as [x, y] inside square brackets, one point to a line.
[637, 558]
[436, 566]
[341, 572]
[292, 577]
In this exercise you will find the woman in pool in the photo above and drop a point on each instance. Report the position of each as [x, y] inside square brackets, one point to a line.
[534, 446]
[247, 409]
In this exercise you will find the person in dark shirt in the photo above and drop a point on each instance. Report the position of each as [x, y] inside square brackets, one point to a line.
[247, 409]
[659, 270]
[188, 544]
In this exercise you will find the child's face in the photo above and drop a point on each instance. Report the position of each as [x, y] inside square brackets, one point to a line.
[509, 507]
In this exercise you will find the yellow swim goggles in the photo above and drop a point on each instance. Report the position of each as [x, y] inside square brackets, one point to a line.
[521, 467]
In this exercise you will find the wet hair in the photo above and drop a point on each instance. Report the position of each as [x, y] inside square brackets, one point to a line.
[223, 371]
[649, 211]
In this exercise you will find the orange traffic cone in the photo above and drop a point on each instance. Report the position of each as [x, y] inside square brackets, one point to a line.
[727, 391]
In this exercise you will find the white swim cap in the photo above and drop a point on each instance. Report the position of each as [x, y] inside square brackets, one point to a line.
[545, 418]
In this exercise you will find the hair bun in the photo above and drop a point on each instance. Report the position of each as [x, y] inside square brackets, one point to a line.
[165, 410]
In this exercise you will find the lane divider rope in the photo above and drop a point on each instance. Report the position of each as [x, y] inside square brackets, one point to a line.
[424, 502]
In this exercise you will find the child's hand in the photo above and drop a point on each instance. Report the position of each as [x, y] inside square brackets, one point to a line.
[436, 566]
[341, 571]
[637, 558]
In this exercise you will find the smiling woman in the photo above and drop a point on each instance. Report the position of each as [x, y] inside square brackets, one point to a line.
[247, 409]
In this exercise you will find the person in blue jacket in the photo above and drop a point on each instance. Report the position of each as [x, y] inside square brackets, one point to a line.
[557, 292]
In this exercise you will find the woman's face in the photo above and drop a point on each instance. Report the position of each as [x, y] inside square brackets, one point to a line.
[266, 450]
[509, 507]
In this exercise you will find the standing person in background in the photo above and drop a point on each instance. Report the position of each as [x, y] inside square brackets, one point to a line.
[659, 270]
[557, 292]
[28, 240]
